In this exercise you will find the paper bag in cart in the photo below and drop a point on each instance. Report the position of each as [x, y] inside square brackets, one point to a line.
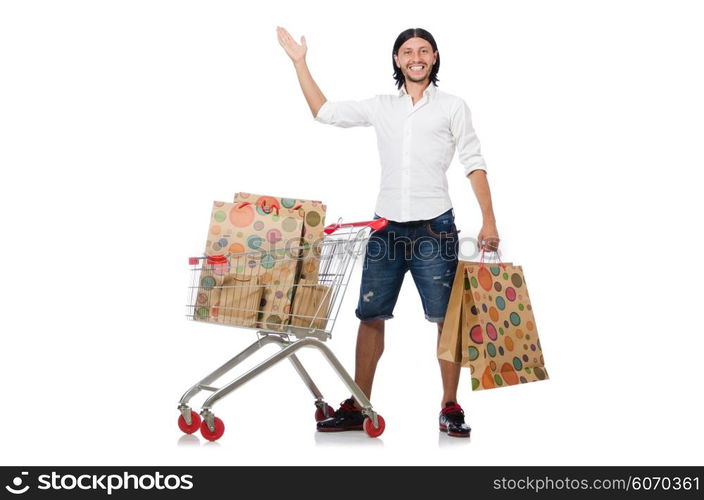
[311, 305]
[236, 301]
[257, 244]
[313, 213]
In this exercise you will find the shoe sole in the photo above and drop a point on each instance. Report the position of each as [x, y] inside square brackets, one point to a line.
[341, 429]
[454, 434]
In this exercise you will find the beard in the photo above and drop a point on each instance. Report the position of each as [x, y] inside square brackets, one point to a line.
[418, 79]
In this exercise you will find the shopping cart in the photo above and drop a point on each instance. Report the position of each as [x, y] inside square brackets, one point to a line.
[256, 290]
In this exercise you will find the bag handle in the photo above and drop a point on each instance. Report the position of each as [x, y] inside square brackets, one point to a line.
[265, 208]
[243, 279]
[498, 258]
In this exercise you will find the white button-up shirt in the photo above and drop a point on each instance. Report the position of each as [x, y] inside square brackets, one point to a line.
[416, 146]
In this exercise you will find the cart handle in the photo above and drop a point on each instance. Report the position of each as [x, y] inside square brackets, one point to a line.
[212, 260]
[375, 224]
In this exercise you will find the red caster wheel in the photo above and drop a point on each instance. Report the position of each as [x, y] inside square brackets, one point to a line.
[212, 436]
[319, 415]
[195, 423]
[374, 431]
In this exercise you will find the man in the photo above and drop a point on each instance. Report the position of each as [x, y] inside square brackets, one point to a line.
[418, 131]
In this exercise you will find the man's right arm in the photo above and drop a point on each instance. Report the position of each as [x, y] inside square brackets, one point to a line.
[297, 52]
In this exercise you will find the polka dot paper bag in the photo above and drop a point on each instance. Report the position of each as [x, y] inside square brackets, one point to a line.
[499, 337]
[256, 243]
[313, 213]
[450, 344]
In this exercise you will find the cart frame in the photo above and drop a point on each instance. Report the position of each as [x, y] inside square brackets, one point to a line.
[343, 243]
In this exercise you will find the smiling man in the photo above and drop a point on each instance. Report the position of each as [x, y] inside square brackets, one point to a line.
[418, 131]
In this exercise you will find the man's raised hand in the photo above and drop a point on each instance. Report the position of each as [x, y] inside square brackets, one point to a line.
[296, 51]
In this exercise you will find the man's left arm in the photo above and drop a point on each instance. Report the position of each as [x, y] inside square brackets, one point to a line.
[488, 234]
[470, 156]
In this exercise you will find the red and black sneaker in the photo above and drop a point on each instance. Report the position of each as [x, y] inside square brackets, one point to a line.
[452, 420]
[346, 418]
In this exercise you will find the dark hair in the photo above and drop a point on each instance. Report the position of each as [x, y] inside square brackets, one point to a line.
[403, 38]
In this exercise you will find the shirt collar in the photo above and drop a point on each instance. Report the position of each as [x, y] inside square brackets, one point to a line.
[430, 91]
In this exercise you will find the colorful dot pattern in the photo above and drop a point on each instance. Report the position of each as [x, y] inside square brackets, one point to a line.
[237, 229]
[500, 341]
[313, 214]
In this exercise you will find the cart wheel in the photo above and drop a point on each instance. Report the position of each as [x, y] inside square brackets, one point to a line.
[195, 423]
[212, 436]
[319, 415]
[374, 431]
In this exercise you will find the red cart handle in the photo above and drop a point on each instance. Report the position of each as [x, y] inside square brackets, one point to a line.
[216, 259]
[375, 224]
[212, 260]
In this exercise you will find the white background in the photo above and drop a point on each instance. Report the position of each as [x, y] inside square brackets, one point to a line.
[120, 122]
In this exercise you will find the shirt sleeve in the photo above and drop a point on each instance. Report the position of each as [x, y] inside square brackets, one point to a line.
[466, 140]
[348, 113]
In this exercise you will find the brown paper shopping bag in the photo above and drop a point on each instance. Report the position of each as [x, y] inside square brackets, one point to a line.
[500, 338]
[236, 301]
[253, 243]
[311, 304]
[212, 271]
[313, 214]
[450, 344]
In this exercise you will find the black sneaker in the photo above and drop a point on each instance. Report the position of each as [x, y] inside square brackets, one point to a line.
[346, 418]
[452, 420]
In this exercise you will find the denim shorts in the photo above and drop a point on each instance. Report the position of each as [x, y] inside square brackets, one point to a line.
[427, 248]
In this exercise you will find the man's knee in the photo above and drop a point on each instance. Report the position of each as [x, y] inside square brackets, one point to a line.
[375, 324]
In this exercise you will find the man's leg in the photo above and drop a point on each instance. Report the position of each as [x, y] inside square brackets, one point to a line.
[450, 374]
[382, 276]
[435, 258]
[370, 346]
[384, 268]
[433, 267]
[451, 413]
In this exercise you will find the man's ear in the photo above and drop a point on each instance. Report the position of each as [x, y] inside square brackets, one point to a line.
[396, 61]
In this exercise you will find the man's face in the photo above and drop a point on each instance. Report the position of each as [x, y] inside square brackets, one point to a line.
[416, 58]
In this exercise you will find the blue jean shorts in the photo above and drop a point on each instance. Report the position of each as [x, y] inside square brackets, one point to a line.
[427, 248]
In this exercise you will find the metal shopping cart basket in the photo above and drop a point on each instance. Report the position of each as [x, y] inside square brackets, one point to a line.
[232, 290]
